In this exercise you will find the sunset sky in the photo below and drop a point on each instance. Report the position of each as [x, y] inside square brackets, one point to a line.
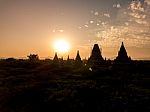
[32, 26]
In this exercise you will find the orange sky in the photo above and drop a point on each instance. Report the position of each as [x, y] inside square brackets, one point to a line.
[32, 26]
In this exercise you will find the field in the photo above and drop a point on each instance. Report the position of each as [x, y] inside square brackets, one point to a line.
[44, 86]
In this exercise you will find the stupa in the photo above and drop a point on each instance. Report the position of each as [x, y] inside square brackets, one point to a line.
[78, 60]
[122, 55]
[96, 56]
[55, 57]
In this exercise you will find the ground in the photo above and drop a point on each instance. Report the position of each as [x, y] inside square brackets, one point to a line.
[45, 86]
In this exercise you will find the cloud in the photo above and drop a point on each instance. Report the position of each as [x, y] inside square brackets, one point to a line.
[117, 5]
[107, 15]
[136, 6]
[96, 13]
[130, 23]
[134, 20]
[138, 11]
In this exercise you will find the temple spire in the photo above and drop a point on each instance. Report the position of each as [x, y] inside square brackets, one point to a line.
[68, 58]
[122, 52]
[78, 58]
[122, 55]
[96, 57]
[55, 57]
[78, 61]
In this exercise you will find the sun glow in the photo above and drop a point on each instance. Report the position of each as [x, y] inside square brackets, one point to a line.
[61, 46]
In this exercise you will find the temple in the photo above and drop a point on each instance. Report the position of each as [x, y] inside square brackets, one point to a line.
[96, 60]
[68, 58]
[122, 56]
[78, 60]
[96, 57]
[55, 57]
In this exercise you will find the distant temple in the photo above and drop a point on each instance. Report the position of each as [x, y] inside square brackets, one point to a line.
[122, 56]
[68, 58]
[55, 57]
[78, 60]
[96, 56]
[96, 60]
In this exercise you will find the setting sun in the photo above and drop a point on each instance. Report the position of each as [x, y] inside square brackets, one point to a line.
[61, 46]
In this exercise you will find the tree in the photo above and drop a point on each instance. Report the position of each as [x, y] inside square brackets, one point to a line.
[33, 57]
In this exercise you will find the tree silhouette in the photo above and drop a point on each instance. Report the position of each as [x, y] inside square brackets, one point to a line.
[33, 57]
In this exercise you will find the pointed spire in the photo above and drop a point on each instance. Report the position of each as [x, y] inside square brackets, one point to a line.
[122, 44]
[96, 52]
[122, 54]
[96, 57]
[55, 57]
[68, 61]
[78, 61]
[78, 58]
[68, 58]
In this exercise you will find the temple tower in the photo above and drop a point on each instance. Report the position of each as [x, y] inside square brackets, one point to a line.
[55, 57]
[122, 55]
[96, 56]
[78, 60]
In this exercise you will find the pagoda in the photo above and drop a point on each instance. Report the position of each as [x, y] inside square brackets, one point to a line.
[68, 58]
[122, 55]
[96, 56]
[78, 60]
[55, 57]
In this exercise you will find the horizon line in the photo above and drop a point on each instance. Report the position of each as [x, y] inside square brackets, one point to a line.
[49, 57]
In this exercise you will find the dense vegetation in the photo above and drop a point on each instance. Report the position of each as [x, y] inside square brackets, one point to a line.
[44, 86]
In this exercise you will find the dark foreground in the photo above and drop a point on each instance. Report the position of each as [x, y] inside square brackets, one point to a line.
[44, 87]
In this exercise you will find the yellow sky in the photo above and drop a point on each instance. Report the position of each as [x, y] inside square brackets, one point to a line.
[33, 26]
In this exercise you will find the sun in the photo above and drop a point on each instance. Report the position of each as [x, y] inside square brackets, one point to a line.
[61, 46]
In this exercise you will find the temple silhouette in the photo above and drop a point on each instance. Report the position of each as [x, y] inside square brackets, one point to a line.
[122, 55]
[93, 84]
[78, 61]
[96, 59]
[55, 57]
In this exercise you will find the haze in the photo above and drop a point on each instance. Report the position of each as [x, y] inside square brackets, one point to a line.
[31, 26]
